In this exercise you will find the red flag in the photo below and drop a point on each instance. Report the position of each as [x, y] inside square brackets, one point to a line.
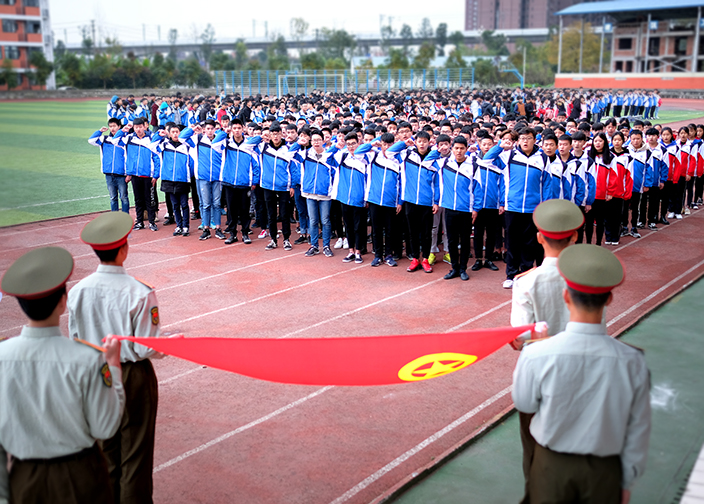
[378, 360]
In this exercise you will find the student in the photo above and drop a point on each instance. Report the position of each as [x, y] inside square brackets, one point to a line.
[487, 224]
[682, 161]
[603, 170]
[589, 393]
[620, 187]
[110, 301]
[142, 167]
[239, 174]
[655, 178]
[457, 197]
[317, 177]
[176, 169]
[638, 152]
[444, 148]
[302, 140]
[59, 396]
[383, 194]
[206, 148]
[112, 162]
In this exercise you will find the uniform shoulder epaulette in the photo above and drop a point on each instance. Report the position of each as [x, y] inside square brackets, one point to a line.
[151, 287]
[524, 273]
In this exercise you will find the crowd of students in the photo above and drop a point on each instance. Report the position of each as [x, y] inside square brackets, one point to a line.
[463, 169]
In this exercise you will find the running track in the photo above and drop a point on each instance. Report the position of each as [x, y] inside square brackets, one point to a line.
[223, 437]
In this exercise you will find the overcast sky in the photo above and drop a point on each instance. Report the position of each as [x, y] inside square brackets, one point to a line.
[234, 19]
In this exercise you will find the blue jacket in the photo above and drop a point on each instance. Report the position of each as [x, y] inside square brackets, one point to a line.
[240, 164]
[584, 181]
[317, 175]
[527, 179]
[657, 170]
[490, 180]
[639, 167]
[457, 185]
[207, 153]
[348, 185]
[112, 155]
[140, 160]
[176, 162]
[383, 180]
[419, 178]
[278, 173]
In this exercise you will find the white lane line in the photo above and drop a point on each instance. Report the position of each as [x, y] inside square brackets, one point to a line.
[40, 228]
[474, 319]
[271, 294]
[53, 203]
[180, 375]
[650, 233]
[420, 446]
[254, 423]
[352, 312]
[655, 293]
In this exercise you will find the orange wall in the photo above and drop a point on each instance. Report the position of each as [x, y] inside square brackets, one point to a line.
[631, 81]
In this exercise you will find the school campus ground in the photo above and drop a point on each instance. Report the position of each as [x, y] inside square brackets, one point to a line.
[222, 437]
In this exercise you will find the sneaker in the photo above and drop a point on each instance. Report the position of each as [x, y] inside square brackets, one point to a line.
[358, 259]
[414, 266]
[624, 231]
[652, 226]
[138, 225]
[615, 244]
[608, 243]
[263, 234]
[376, 262]
[634, 233]
[177, 231]
[671, 215]
[152, 227]
[312, 251]
[446, 259]
[219, 234]
[508, 283]
[345, 243]
[205, 235]
[695, 207]
[663, 220]
[231, 239]
[185, 232]
[156, 217]
[287, 245]
[391, 261]
[677, 216]
[327, 252]
[169, 220]
[271, 246]
[687, 211]
[200, 227]
[700, 202]
[246, 239]
[349, 257]
[426, 266]
[301, 240]
[339, 243]
[640, 225]
[431, 259]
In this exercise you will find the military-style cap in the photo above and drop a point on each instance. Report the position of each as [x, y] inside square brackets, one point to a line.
[107, 231]
[557, 218]
[590, 268]
[38, 273]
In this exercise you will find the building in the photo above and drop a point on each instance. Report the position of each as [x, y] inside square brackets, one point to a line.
[512, 14]
[654, 43]
[25, 27]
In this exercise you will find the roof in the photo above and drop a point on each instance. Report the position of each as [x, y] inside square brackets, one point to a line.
[621, 9]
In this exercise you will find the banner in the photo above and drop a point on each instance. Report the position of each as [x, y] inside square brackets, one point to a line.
[377, 360]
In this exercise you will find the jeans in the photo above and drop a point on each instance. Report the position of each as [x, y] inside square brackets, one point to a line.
[318, 211]
[180, 206]
[301, 206]
[117, 185]
[210, 192]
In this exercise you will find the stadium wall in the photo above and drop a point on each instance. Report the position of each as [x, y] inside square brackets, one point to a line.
[668, 80]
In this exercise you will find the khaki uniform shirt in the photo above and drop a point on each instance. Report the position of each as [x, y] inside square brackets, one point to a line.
[112, 302]
[57, 397]
[590, 394]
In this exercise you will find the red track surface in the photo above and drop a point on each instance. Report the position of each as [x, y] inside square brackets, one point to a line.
[223, 437]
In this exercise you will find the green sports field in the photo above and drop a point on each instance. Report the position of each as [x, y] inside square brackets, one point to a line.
[49, 170]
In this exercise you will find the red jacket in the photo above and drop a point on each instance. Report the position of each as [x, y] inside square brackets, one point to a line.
[621, 186]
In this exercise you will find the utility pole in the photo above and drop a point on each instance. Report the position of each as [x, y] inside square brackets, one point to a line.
[254, 28]
[601, 47]
[65, 37]
[92, 29]
[581, 45]
[144, 32]
[523, 78]
[559, 50]
[158, 30]
[266, 29]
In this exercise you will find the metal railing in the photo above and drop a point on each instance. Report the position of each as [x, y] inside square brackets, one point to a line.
[268, 82]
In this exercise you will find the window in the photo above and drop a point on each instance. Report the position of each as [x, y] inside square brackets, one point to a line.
[680, 46]
[9, 26]
[7, 2]
[31, 3]
[625, 44]
[654, 47]
[619, 66]
[629, 66]
[34, 27]
[12, 52]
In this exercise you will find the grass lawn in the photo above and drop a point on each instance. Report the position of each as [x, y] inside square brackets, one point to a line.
[49, 170]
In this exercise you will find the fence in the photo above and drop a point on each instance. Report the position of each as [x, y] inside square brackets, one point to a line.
[266, 82]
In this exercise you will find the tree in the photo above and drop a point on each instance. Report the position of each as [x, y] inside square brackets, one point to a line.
[86, 40]
[426, 29]
[191, 71]
[102, 68]
[59, 50]
[44, 67]
[206, 47]
[298, 28]
[456, 38]
[397, 59]
[312, 61]
[485, 72]
[173, 37]
[131, 67]
[8, 76]
[441, 38]
[71, 66]
[387, 33]
[425, 55]
[219, 61]
[337, 44]
[495, 44]
[455, 59]
[570, 49]
[406, 35]
[113, 46]
[277, 54]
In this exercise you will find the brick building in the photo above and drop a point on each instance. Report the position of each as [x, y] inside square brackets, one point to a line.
[25, 27]
[512, 14]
